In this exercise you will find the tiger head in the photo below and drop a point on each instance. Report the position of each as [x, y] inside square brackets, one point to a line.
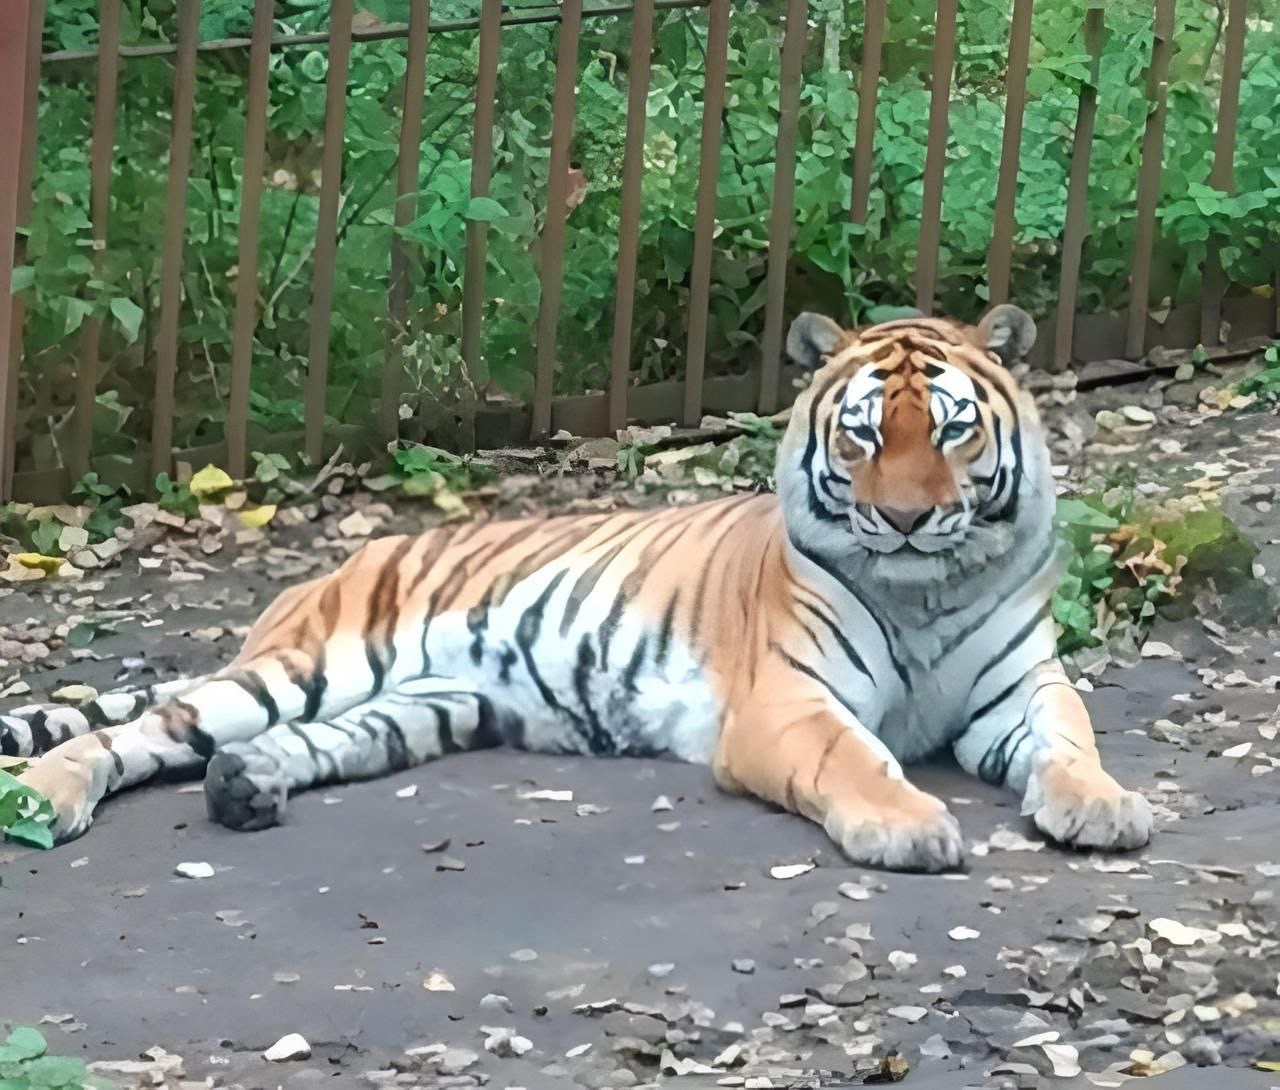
[913, 438]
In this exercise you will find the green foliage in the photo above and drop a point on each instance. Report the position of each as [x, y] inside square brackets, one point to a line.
[26, 1065]
[45, 529]
[429, 471]
[1128, 561]
[24, 816]
[848, 271]
[1266, 383]
[176, 497]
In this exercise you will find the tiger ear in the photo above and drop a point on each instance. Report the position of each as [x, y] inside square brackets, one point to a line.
[811, 337]
[1009, 332]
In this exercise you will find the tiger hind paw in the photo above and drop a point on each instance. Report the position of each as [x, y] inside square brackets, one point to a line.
[245, 790]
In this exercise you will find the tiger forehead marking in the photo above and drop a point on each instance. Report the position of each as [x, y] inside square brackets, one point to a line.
[945, 393]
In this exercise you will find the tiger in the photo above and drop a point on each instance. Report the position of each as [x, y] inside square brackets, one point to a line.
[890, 600]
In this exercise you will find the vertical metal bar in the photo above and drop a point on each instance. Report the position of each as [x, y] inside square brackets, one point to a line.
[175, 229]
[704, 221]
[1000, 256]
[629, 218]
[335, 118]
[473, 277]
[784, 191]
[1149, 179]
[255, 142]
[868, 94]
[1214, 285]
[553, 229]
[104, 133]
[1073, 230]
[935, 161]
[20, 32]
[408, 162]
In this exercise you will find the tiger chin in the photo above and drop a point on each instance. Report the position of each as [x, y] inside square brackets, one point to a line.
[891, 601]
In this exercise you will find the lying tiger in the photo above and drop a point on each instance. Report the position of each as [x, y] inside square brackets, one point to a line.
[891, 600]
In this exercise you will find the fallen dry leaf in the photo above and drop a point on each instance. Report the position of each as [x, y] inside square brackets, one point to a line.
[437, 982]
[783, 871]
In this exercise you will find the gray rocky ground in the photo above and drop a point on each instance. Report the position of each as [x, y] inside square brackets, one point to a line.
[439, 929]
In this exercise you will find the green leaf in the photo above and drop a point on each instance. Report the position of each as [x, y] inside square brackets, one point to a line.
[484, 210]
[314, 66]
[23, 277]
[129, 316]
[56, 1071]
[27, 1043]
[891, 313]
[1072, 615]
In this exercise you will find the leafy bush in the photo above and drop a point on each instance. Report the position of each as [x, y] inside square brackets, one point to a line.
[834, 266]
[1266, 383]
[1129, 560]
[26, 1065]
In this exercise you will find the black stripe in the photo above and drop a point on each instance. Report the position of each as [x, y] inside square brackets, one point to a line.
[600, 740]
[669, 526]
[1015, 641]
[854, 658]
[312, 750]
[527, 630]
[995, 763]
[251, 682]
[816, 507]
[444, 729]
[397, 748]
[586, 582]
[881, 625]
[41, 737]
[808, 671]
[996, 701]
[633, 665]
[664, 631]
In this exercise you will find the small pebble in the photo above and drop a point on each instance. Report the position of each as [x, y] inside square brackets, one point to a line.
[194, 870]
[744, 965]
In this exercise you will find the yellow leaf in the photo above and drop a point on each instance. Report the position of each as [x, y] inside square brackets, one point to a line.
[258, 517]
[1268, 1065]
[209, 480]
[451, 504]
[49, 564]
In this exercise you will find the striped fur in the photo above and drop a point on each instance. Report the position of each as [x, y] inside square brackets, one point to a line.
[892, 600]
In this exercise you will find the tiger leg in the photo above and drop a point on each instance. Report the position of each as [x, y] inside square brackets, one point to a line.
[791, 744]
[248, 783]
[1039, 743]
[231, 705]
[34, 729]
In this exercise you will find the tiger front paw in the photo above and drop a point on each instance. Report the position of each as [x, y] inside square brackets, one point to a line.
[1083, 807]
[926, 837]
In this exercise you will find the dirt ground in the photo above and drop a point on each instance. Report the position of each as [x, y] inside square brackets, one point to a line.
[437, 929]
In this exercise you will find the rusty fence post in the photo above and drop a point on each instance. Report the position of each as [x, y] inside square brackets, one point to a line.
[1076, 223]
[20, 25]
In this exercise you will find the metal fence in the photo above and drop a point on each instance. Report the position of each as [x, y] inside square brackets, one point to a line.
[1066, 337]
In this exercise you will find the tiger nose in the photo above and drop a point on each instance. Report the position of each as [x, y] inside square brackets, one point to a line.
[903, 519]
